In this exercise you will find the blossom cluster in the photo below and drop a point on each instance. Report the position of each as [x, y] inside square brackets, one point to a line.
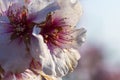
[38, 39]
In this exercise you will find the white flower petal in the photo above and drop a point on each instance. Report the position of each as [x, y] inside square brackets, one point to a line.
[41, 8]
[70, 11]
[41, 53]
[13, 56]
[79, 36]
[37, 5]
[66, 61]
[73, 1]
[36, 30]
[4, 4]
[29, 75]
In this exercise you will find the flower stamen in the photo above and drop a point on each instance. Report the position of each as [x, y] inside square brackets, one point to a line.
[20, 26]
[55, 31]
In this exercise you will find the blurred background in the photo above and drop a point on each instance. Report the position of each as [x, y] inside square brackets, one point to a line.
[100, 55]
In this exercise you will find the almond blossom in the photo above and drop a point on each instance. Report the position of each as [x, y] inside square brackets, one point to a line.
[38, 39]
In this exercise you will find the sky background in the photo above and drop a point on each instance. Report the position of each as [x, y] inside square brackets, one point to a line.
[101, 18]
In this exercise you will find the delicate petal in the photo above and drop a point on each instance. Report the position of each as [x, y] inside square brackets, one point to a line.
[27, 75]
[41, 53]
[4, 4]
[79, 36]
[73, 1]
[12, 59]
[66, 61]
[66, 3]
[41, 8]
[70, 10]
[37, 5]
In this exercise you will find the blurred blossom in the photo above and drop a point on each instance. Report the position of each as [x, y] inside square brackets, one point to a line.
[92, 65]
[91, 60]
[38, 39]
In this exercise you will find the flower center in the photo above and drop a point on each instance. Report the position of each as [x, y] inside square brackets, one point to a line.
[20, 26]
[55, 31]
